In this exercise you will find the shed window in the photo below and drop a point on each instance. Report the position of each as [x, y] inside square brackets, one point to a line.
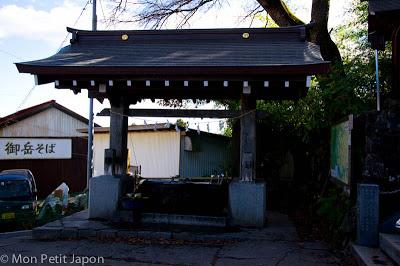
[188, 144]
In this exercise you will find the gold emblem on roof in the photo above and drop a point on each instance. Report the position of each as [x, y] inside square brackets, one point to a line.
[125, 37]
[246, 35]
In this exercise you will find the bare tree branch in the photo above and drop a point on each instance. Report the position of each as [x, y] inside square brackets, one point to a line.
[252, 14]
[156, 13]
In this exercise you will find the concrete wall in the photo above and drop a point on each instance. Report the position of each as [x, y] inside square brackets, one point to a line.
[51, 122]
[157, 152]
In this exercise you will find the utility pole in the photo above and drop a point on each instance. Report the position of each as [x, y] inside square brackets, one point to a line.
[91, 126]
[94, 15]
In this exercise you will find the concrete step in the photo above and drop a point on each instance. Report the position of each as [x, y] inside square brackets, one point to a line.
[161, 218]
[23, 233]
[367, 256]
[172, 219]
[390, 244]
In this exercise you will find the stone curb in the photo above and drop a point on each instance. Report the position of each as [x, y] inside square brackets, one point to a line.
[56, 233]
[49, 233]
[7, 235]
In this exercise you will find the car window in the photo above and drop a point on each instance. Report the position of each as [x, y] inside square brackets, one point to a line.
[32, 180]
[14, 189]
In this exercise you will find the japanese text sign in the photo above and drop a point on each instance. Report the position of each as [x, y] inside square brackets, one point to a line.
[35, 148]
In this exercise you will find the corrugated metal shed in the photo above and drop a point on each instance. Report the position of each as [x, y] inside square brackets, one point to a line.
[209, 155]
[47, 119]
[162, 154]
[156, 152]
[51, 122]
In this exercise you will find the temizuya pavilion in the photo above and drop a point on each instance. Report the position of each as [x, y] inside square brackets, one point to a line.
[209, 64]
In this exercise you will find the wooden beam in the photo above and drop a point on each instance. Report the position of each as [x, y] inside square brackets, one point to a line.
[102, 88]
[127, 83]
[187, 113]
[202, 73]
[267, 89]
[195, 113]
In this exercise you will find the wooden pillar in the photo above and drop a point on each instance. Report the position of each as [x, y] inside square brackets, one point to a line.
[396, 63]
[116, 157]
[248, 139]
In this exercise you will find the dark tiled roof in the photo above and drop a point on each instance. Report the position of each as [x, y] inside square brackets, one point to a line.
[377, 6]
[210, 48]
[31, 111]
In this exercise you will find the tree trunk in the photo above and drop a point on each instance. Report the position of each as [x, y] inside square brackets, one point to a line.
[318, 34]
[279, 12]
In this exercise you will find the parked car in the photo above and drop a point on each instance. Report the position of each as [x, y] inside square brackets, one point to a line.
[18, 197]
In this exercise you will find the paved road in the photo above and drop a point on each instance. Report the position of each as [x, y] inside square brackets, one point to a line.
[20, 249]
[276, 244]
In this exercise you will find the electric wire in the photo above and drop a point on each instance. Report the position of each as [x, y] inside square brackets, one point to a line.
[26, 97]
[102, 11]
[76, 22]
[11, 54]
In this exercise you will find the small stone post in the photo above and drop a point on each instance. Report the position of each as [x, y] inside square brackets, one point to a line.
[367, 215]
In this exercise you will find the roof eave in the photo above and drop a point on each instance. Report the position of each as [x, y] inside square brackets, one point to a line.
[176, 71]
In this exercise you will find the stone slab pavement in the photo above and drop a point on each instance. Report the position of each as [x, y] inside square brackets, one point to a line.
[277, 244]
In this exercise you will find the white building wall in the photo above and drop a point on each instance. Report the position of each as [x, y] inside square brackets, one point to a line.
[157, 152]
[51, 122]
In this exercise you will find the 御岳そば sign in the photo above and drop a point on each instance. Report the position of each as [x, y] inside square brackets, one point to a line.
[35, 148]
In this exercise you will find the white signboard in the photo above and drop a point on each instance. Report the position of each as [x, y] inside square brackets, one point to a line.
[35, 148]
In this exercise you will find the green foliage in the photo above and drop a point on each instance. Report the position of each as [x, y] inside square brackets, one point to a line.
[180, 123]
[266, 20]
[334, 207]
[335, 211]
[359, 58]
[348, 89]
[227, 131]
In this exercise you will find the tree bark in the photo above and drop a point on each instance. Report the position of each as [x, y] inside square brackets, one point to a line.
[318, 33]
[280, 13]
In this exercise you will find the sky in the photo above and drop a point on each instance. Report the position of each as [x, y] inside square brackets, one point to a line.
[35, 29]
